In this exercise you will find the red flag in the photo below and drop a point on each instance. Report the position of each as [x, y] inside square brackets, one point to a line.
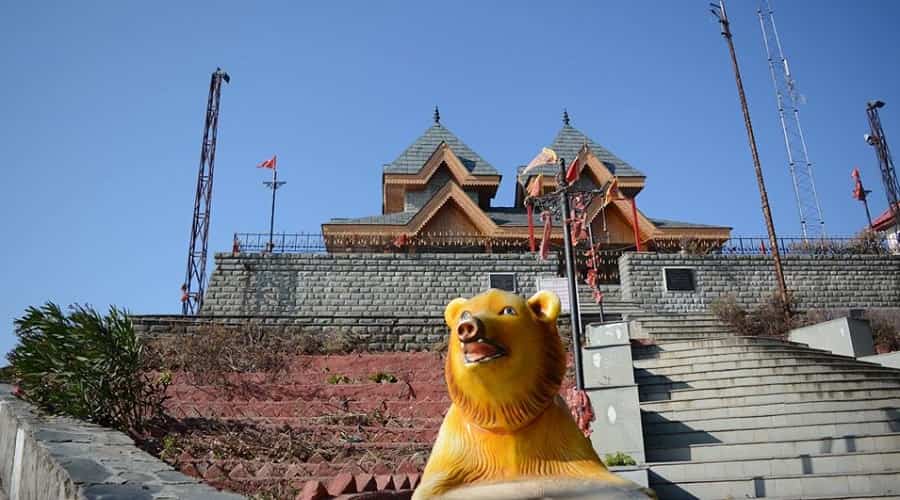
[582, 411]
[530, 211]
[270, 163]
[545, 239]
[573, 173]
[858, 192]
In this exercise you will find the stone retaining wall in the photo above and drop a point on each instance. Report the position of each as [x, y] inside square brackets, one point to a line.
[358, 285]
[398, 333]
[817, 282]
[63, 458]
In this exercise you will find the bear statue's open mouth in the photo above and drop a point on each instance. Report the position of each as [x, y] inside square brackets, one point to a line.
[482, 351]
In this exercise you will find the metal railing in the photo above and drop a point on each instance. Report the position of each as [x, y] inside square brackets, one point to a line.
[281, 243]
[743, 245]
[868, 244]
[737, 245]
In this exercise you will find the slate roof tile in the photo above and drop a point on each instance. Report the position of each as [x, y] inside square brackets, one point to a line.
[567, 144]
[415, 156]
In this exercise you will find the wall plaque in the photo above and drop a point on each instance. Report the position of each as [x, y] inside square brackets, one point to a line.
[679, 279]
[502, 281]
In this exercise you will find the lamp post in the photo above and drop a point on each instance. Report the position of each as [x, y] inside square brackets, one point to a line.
[558, 202]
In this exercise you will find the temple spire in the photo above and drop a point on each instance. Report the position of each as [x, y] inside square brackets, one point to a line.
[565, 117]
[437, 116]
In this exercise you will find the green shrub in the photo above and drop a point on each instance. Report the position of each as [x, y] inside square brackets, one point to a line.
[383, 378]
[338, 379]
[618, 458]
[87, 366]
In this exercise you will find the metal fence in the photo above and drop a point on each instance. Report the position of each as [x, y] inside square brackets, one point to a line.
[281, 243]
[759, 245]
[737, 245]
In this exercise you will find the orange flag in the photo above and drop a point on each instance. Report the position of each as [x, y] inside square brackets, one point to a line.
[612, 192]
[536, 186]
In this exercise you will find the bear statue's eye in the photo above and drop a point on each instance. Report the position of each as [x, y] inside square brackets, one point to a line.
[508, 311]
[466, 315]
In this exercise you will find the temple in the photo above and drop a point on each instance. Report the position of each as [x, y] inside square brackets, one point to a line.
[438, 196]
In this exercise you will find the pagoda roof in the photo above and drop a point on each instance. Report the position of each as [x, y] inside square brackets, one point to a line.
[415, 156]
[668, 223]
[396, 218]
[569, 141]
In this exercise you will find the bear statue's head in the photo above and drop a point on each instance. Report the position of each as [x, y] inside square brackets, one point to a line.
[505, 360]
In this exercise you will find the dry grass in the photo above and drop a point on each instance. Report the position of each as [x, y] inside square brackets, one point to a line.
[766, 320]
[215, 351]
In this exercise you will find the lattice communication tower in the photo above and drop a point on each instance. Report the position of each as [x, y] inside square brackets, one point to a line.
[195, 278]
[812, 223]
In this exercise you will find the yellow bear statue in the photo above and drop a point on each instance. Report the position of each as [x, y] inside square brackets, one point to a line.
[507, 423]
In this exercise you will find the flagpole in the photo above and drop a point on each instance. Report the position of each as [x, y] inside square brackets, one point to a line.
[274, 185]
[272, 216]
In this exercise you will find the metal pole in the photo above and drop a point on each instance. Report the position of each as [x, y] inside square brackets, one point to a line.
[866, 205]
[574, 312]
[764, 198]
[272, 216]
[274, 184]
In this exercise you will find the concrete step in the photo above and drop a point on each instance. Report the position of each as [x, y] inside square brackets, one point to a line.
[682, 336]
[694, 316]
[663, 390]
[698, 379]
[772, 449]
[725, 368]
[652, 413]
[756, 400]
[885, 413]
[674, 327]
[719, 351]
[846, 463]
[739, 360]
[679, 319]
[728, 340]
[765, 434]
[764, 386]
[807, 486]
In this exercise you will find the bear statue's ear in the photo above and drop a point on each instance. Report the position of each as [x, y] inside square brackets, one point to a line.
[453, 310]
[545, 305]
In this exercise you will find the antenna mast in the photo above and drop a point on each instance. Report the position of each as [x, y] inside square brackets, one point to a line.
[195, 277]
[812, 223]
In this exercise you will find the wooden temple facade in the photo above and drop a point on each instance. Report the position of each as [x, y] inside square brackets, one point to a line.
[437, 196]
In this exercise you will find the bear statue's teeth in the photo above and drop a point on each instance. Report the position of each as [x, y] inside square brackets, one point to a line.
[482, 351]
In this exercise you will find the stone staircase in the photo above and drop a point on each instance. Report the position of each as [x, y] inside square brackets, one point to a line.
[742, 417]
[614, 307]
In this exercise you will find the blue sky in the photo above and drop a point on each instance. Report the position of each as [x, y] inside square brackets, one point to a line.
[102, 108]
